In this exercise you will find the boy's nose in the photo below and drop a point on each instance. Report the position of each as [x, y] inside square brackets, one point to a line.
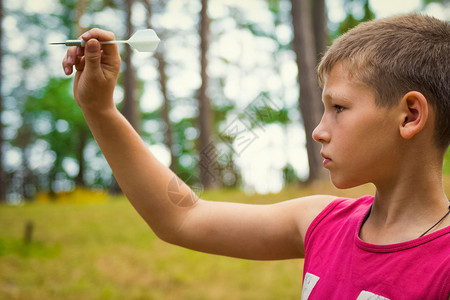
[321, 135]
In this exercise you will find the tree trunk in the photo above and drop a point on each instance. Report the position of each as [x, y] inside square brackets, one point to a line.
[82, 135]
[309, 94]
[79, 12]
[2, 172]
[159, 55]
[209, 175]
[320, 27]
[168, 140]
[130, 105]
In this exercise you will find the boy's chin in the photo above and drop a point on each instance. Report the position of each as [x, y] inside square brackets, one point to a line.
[344, 183]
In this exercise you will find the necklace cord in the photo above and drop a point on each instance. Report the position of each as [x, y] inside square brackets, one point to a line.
[440, 220]
[436, 222]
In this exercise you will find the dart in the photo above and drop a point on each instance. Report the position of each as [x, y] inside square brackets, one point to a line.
[144, 40]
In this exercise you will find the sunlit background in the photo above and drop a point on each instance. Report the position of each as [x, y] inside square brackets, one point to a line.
[241, 66]
[71, 237]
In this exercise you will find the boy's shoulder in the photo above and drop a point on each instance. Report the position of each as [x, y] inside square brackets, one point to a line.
[340, 211]
[343, 207]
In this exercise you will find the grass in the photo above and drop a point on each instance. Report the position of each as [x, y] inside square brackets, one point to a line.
[106, 251]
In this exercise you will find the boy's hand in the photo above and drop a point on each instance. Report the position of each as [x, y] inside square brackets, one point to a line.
[97, 70]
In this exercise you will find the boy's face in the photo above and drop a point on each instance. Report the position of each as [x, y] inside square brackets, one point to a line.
[359, 139]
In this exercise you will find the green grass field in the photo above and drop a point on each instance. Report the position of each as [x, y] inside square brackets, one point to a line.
[106, 251]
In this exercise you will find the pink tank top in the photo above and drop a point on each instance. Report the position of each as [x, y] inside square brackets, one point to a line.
[339, 265]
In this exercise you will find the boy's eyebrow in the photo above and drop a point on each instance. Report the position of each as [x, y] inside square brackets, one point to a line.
[334, 96]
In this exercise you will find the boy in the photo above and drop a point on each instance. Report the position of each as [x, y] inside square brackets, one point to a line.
[386, 121]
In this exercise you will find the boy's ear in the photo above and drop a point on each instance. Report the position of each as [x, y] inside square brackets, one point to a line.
[414, 107]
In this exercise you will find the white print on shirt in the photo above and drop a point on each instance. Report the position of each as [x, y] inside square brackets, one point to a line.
[370, 296]
[308, 284]
[311, 280]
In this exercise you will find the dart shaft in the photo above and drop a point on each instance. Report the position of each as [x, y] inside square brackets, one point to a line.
[82, 43]
[144, 40]
[113, 42]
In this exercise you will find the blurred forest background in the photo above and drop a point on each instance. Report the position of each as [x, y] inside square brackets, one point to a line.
[229, 99]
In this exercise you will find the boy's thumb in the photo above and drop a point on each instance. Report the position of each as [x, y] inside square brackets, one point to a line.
[92, 55]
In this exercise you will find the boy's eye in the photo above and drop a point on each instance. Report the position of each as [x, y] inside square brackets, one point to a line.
[338, 108]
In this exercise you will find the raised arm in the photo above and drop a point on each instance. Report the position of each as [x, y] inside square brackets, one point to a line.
[248, 231]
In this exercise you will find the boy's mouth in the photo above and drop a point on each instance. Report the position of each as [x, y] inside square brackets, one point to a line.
[326, 160]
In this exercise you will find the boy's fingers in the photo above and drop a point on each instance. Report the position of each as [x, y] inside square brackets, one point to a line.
[69, 60]
[102, 35]
[80, 51]
[92, 56]
[66, 66]
[80, 65]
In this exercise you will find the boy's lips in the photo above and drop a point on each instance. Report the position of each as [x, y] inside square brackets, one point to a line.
[326, 160]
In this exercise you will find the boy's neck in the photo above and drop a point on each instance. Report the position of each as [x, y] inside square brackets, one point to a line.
[406, 207]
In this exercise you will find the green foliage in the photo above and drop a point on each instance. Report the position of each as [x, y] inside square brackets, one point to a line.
[268, 115]
[426, 2]
[446, 168]
[351, 21]
[289, 175]
[66, 131]
[56, 99]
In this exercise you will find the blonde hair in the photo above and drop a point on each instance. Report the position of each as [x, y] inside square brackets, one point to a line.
[396, 55]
